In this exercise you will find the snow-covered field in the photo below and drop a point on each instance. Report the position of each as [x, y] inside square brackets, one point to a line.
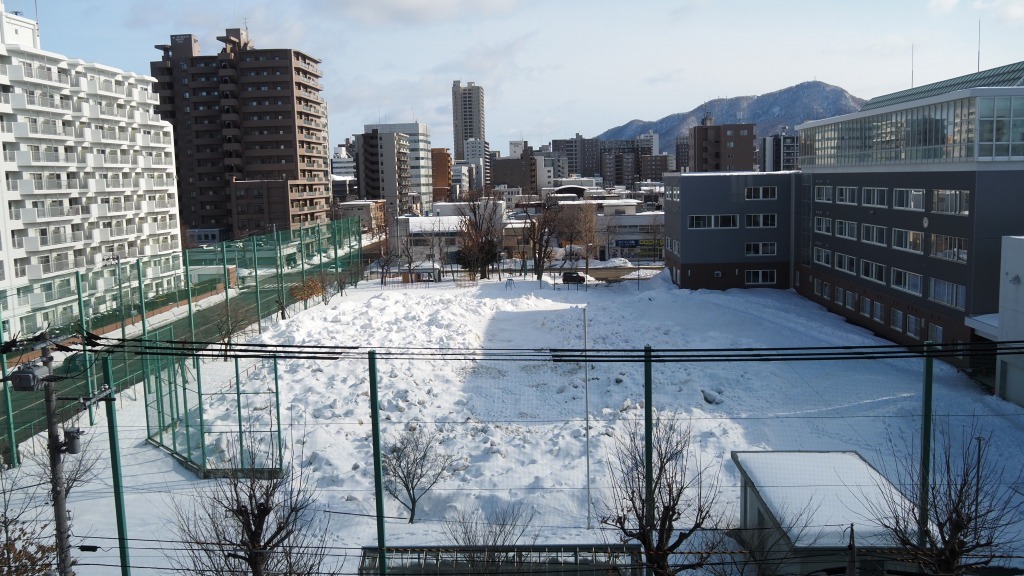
[518, 427]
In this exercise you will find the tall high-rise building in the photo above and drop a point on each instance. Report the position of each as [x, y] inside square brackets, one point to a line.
[441, 162]
[382, 168]
[421, 181]
[780, 152]
[467, 116]
[250, 132]
[88, 184]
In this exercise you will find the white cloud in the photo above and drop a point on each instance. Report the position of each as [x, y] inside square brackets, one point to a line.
[1007, 10]
[941, 6]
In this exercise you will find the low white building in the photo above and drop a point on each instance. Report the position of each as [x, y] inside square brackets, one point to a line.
[797, 508]
[1008, 324]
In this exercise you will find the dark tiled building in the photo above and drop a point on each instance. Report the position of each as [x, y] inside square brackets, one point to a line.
[902, 206]
[725, 148]
[250, 135]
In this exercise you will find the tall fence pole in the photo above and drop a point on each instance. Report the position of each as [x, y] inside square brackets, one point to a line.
[256, 279]
[89, 384]
[648, 439]
[378, 477]
[115, 470]
[926, 448]
[12, 439]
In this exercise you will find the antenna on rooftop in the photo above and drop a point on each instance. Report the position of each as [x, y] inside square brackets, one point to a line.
[979, 44]
[911, 65]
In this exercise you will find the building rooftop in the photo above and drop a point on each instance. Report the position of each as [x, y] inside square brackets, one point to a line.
[820, 489]
[1003, 76]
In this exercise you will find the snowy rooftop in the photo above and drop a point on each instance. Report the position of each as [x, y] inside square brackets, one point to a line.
[434, 224]
[807, 491]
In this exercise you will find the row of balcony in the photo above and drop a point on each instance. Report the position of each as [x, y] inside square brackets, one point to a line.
[48, 241]
[90, 185]
[31, 158]
[46, 270]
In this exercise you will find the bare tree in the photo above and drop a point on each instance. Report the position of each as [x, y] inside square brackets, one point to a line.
[973, 507]
[685, 496]
[480, 233]
[413, 464]
[540, 230]
[231, 318]
[483, 534]
[766, 549]
[77, 470]
[27, 548]
[247, 523]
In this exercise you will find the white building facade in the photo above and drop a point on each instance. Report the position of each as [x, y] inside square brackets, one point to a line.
[421, 167]
[88, 183]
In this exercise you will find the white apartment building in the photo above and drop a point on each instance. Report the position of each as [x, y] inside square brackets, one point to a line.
[88, 185]
[421, 167]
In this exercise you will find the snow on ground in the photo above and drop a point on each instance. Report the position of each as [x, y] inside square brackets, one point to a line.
[519, 427]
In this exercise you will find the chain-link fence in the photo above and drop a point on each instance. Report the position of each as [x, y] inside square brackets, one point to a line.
[156, 295]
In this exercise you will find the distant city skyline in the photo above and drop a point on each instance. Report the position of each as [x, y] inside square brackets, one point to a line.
[554, 69]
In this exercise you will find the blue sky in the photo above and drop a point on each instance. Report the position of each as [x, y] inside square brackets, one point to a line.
[551, 68]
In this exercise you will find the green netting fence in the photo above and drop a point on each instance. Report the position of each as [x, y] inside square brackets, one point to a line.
[210, 294]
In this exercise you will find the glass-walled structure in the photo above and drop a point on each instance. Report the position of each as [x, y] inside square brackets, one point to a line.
[980, 124]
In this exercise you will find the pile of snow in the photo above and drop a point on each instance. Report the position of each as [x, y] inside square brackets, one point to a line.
[519, 428]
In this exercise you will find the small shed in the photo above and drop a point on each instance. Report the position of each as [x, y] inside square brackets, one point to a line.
[797, 510]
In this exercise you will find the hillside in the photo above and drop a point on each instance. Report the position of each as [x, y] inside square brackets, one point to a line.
[772, 112]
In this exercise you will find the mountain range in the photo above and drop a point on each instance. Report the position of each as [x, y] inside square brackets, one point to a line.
[772, 113]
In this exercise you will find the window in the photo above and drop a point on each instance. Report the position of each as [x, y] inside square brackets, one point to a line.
[760, 249]
[872, 234]
[896, 320]
[851, 300]
[914, 325]
[761, 193]
[907, 281]
[826, 291]
[714, 221]
[759, 277]
[949, 248]
[948, 293]
[872, 271]
[908, 199]
[908, 240]
[822, 225]
[846, 195]
[951, 202]
[760, 220]
[865, 307]
[874, 197]
[846, 263]
[817, 286]
[935, 333]
[822, 193]
[879, 314]
[846, 229]
[823, 257]
[840, 295]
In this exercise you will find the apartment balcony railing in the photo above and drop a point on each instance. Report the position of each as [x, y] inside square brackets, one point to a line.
[40, 271]
[50, 130]
[37, 243]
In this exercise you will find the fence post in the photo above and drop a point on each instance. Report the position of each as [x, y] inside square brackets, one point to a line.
[90, 386]
[7, 396]
[648, 440]
[302, 261]
[378, 477]
[256, 279]
[282, 303]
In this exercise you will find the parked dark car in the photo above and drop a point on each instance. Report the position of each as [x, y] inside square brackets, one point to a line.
[573, 278]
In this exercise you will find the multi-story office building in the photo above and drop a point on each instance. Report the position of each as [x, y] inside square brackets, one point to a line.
[478, 153]
[467, 116]
[382, 168]
[683, 153]
[250, 133]
[725, 148]
[88, 183]
[904, 204]
[583, 154]
[421, 180]
[780, 152]
[653, 168]
[729, 230]
[441, 167]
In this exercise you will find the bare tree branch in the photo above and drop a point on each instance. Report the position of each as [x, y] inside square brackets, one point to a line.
[413, 464]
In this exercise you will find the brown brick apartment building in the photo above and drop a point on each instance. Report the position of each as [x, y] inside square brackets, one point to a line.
[250, 136]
